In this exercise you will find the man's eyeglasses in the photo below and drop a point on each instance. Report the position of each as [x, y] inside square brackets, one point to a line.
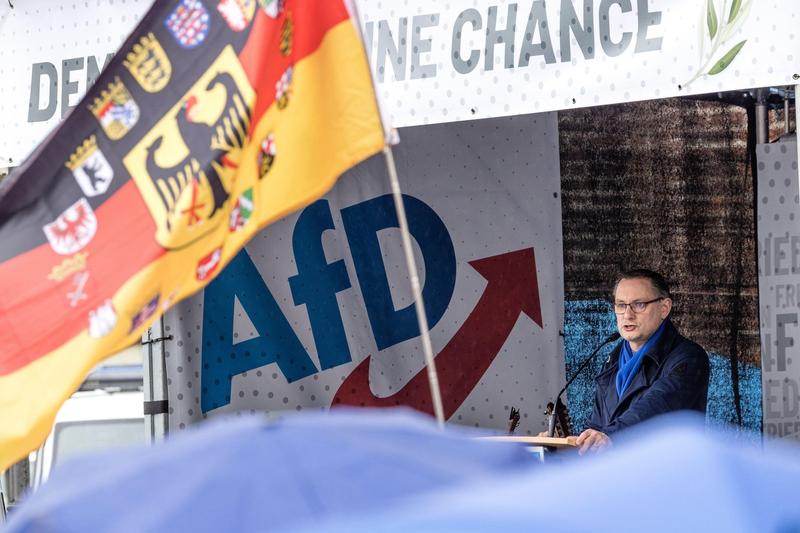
[636, 307]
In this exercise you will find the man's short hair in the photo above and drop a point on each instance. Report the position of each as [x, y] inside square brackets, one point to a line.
[658, 281]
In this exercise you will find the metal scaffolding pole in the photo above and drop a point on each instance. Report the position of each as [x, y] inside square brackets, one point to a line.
[15, 483]
[156, 406]
[762, 116]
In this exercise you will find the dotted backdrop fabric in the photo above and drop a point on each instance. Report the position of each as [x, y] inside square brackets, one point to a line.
[494, 185]
[779, 286]
[58, 47]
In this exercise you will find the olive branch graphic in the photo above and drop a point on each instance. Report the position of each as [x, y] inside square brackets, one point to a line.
[715, 28]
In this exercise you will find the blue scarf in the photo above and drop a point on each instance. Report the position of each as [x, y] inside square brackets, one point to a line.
[629, 361]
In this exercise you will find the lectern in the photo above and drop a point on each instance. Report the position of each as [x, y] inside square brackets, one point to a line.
[539, 447]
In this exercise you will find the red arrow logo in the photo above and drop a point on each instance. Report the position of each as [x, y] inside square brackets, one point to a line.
[513, 288]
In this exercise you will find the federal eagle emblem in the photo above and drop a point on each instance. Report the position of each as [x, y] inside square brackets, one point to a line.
[148, 64]
[186, 164]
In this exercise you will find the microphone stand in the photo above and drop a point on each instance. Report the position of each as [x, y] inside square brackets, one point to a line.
[553, 408]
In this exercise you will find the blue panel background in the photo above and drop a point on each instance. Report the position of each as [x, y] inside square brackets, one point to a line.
[588, 322]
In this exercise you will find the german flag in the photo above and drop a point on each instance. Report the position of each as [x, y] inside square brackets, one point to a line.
[214, 119]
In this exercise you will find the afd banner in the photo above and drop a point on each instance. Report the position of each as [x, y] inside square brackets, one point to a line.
[317, 310]
[779, 287]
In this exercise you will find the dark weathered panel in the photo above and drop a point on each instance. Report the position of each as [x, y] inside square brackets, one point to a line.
[665, 185]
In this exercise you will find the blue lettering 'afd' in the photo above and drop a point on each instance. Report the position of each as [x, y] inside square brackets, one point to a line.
[315, 286]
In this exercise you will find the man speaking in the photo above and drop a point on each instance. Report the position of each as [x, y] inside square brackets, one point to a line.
[654, 370]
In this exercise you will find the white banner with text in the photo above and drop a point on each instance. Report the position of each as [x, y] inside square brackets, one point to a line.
[51, 52]
[444, 62]
[779, 287]
[465, 59]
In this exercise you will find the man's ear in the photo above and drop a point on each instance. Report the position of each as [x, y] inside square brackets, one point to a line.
[666, 307]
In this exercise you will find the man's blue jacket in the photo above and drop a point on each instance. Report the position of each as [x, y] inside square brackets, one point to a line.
[673, 376]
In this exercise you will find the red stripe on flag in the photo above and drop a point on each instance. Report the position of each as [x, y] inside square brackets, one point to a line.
[261, 56]
[37, 310]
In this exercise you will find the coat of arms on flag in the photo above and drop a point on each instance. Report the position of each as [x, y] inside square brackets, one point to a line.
[91, 168]
[116, 110]
[266, 155]
[102, 320]
[208, 265]
[78, 292]
[237, 13]
[149, 64]
[287, 30]
[188, 23]
[283, 88]
[144, 313]
[73, 229]
[68, 267]
[272, 8]
[241, 211]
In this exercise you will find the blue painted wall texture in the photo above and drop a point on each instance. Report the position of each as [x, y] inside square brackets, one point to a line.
[588, 322]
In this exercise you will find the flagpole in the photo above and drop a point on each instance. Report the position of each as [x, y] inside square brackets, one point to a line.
[391, 136]
[419, 305]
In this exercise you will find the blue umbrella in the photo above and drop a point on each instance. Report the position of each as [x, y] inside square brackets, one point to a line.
[666, 476]
[247, 475]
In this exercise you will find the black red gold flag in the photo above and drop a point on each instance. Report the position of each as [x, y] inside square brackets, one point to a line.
[214, 119]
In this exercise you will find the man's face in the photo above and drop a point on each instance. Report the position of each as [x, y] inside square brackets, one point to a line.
[634, 327]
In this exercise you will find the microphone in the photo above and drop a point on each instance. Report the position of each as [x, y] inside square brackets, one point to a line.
[553, 407]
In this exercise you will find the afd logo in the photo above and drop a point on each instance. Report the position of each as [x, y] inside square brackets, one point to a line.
[512, 289]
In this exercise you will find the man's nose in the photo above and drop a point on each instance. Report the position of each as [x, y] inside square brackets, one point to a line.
[628, 312]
